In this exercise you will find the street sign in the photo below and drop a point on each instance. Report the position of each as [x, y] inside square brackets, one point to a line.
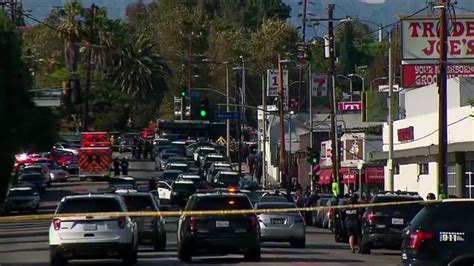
[349, 106]
[272, 82]
[319, 85]
[227, 115]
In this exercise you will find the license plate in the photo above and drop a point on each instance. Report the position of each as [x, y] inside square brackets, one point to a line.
[90, 227]
[397, 221]
[221, 224]
[278, 221]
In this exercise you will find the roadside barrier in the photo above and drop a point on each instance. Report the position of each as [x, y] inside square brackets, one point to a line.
[35, 217]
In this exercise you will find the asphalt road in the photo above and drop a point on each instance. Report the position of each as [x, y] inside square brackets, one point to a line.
[26, 243]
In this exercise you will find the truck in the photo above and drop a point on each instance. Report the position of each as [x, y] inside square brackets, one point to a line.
[95, 156]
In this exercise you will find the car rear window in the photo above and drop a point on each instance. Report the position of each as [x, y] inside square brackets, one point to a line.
[31, 170]
[171, 176]
[225, 177]
[446, 216]
[222, 203]
[20, 193]
[138, 203]
[31, 177]
[274, 198]
[121, 182]
[276, 206]
[394, 199]
[182, 187]
[89, 205]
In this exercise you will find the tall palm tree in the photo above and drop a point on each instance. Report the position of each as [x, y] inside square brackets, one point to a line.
[140, 71]
[71, 28]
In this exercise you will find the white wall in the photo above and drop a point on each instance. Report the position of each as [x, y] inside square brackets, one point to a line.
[460, 129]
[408, 180]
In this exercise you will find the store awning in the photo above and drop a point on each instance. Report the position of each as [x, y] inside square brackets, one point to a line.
[374, 175]
[325, 176]
[349, 175]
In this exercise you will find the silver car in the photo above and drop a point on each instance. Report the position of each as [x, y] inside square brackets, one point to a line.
[21, 199]
[282, 227]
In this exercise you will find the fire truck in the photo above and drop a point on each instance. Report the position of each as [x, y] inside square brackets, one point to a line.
[95, 155]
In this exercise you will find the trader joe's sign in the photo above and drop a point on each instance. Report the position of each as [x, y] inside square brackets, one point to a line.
[414, 76]
[420, 38]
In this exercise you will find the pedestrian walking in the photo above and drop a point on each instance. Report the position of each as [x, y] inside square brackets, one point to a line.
[353, 225]
[117, 166]
[124, 165]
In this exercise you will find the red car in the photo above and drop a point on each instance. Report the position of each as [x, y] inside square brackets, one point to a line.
[25, 159]
[66, 160]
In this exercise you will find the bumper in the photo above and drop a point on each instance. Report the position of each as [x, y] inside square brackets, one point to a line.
[280, 233]
[92, 250]
[379, 240]
[229, 245]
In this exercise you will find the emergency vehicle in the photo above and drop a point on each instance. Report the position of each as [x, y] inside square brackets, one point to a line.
[95, 155]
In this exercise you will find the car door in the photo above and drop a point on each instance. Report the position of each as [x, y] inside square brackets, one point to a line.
[164, 191]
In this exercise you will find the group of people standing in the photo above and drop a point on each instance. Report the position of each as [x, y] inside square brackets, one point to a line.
[121, 165]
[141, 148]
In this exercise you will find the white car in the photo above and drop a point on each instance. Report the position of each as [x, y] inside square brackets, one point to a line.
[92, 237]
[202, 151]
[164, 192]
[22, 198]
[64, 146]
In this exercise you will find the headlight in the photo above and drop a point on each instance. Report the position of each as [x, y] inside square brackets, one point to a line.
[51, 175]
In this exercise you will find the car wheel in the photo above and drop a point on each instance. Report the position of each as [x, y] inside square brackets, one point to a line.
[365, 246]
[56, 259]
[253, 254]
[298, 243]
[130, 258]
[184, 254]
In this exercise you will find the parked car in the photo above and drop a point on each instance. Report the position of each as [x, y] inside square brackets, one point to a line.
[67, 146]
[225, 179]
[35, 179]
[282, 227]
[183, 167]
[164, 193]
[318, 215]
[22, 198]
[218, 234]
[328, 214]
[181, 190]
[382, 226]
[151, 229]
[169, 176]
[123, 182]
[92, 237]
[440, 234]
[214, 169]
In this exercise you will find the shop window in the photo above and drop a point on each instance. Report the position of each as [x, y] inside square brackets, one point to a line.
[396, 169]
[423, 169]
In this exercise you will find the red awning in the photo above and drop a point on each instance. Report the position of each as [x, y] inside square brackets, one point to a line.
[325, 176]
[374, 175]
[349, 175]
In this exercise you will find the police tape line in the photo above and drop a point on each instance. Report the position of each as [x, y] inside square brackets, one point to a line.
[35, 217]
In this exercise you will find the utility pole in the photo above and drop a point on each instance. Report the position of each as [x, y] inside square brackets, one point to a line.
[239, 133]
[264, 155]
[227, 122]
[283, 168]
[442, 93]
[85, 118]
[390, 184]
[331, 74]
[302, 54]
[310, 90]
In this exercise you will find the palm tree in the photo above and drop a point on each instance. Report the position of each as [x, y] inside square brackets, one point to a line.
[72, 29]
[140, 71]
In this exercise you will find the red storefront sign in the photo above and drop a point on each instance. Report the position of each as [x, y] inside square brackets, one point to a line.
[419, 75]
[349, 106]
[349, 175]
[374, 175]
[325, 176]
[406, 134]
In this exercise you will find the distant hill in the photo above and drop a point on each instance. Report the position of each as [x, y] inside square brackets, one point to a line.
[384, 13]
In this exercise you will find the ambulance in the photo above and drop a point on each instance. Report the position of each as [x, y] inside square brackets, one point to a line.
[95, 156]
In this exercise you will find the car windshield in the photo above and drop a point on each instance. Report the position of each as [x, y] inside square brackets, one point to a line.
[275, 198]
[222, 203]
[20, 193]
[85, 205]
[121, 182]
[204, 152]
[31, 177]
[138, 203]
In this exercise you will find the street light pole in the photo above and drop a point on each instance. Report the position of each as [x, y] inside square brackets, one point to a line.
[390, 184]
[310, 90]
[264, 142]
[227, 109]
[283, 168]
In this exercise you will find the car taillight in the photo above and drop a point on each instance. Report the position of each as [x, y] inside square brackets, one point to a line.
[121, 222]
[56, 224]
[193, 223]
[370, 217]
[417, 238]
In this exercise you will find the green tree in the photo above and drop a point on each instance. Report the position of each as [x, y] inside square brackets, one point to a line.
[20, 118]
[71, 28]
[140, 70]
[347, 51]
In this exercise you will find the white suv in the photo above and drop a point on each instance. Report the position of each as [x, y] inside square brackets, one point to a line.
[92, 237]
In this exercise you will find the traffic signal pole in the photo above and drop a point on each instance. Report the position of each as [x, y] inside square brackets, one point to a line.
[442, 94]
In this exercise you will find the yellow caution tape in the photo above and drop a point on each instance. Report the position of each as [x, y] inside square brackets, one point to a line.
[34, 217]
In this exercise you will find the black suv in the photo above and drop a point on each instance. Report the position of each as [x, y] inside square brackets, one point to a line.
[151, 230]
[181, 190]
[339, 224]
[382, 226]
[441, 234]
[218, 234]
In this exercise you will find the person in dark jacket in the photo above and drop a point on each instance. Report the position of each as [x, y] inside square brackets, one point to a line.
[353, 224]
[124, 165]
[116, 166]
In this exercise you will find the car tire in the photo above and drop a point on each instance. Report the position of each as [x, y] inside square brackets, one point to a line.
[160, 243]
[184, 254]
[56, 259]
[365, 246]
[130, 258]
[253, 254]
[298, 243]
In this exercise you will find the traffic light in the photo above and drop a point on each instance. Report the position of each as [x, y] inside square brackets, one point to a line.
[203, 108]
[183, 93]
[312, 155]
